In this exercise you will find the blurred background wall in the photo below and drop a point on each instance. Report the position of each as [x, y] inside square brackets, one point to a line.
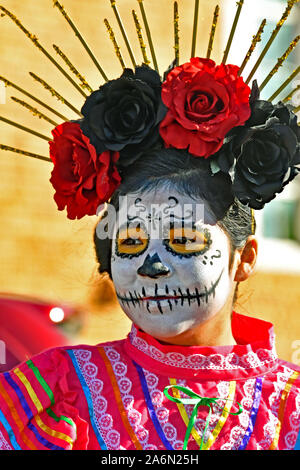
[44, 254]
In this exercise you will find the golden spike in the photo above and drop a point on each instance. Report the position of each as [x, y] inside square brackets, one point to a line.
[252, 221]
[21, 90]
[279, 25]
[291, 94]
[23, 152]
[256, 39]
[35, 41]
[140, 36]
[54, 93]
[77, 33]
[285, 84]
[296, 110]
[232, 32]
[148, 32]
[280, 62]
[176, 33]
[34, 111]
[213, 31]
[123, 32]
[80, 77]
[26, 129]
[115, 44]
[195, 27]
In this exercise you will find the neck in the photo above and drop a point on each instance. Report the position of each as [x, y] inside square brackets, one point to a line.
[214, 332]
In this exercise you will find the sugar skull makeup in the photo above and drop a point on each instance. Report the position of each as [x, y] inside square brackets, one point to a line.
[170, 269]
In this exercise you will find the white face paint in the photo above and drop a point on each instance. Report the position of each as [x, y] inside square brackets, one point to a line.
[170, 284]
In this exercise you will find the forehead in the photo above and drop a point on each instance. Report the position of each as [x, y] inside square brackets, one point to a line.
[164, 205]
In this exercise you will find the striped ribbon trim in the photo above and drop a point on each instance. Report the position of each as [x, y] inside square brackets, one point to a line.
[49, 392]
[253, 414]
[119, 400]
[9, 431]
[281, 411]
[88, 398]
[216, 431]
[297, 445]
[150, 407]
[40, 409]
[29, 413]
[16, 418]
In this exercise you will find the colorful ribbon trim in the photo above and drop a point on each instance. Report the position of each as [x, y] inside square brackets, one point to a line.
[88, 397]
[197, 401]
[281, 411]
[119, 400]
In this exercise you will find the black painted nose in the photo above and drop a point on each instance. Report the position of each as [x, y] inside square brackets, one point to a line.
[153, 267]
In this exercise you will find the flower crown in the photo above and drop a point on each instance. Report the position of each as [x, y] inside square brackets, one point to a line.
[205, 108]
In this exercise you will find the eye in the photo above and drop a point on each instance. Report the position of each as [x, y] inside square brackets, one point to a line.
[187, 241]
[131, 241]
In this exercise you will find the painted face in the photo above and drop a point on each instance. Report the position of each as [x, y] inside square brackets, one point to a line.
[170, 270]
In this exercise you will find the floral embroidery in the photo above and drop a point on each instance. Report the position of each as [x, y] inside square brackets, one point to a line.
[125, 387]
[229, 361]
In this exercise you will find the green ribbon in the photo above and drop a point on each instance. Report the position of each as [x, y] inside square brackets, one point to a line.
[197, 401]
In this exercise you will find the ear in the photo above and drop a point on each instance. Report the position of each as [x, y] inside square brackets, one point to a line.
[247, 259]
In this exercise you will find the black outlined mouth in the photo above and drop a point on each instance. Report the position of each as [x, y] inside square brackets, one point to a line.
[179, 295]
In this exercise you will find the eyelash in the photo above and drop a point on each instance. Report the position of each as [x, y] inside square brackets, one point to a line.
[166, 243]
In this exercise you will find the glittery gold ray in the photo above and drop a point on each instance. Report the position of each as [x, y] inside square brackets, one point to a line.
[296, 110]
[252, 221]
[255, 41]
[291, 94]
[140, 36]
[77, 34]
[21, 90]
[176, 33]
[233, 29]
[115, 44]
[285, 84]
[213, 32]
[54, 92]
[148, 32]
[34, 111]
[35, 41]
[24, 152]
[274, 33]
[123, 32]
[280, 62]
[195, 27]
[73, 69]
[23, 128]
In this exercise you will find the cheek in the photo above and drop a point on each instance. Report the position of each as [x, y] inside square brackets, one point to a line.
[124, 271]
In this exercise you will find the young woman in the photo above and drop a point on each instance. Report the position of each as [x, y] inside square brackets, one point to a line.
[181, 164]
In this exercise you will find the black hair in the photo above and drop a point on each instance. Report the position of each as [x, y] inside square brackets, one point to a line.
[190, 176]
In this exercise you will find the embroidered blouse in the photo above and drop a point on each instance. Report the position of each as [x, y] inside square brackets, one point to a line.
[111, 396]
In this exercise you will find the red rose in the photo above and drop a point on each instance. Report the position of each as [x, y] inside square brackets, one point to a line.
[81, 178]
[204, 103]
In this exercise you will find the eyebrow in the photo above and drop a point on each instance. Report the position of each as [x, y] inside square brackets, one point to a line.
[172, 223]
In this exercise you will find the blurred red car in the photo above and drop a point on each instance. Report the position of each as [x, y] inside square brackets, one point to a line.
[29, 326]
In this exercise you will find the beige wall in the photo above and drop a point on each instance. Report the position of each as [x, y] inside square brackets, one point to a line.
[41, 251]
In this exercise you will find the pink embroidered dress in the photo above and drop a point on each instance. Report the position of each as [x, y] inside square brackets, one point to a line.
[111, 396]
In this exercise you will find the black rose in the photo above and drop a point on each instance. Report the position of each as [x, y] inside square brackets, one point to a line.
[262, 156]
[124, 114]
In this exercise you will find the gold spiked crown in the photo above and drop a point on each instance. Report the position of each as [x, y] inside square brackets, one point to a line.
[198, 106]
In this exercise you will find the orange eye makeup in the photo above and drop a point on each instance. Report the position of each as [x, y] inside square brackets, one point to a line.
[187, 241]
[131, 241]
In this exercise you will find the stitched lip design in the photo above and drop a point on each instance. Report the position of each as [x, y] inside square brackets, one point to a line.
[179, 295]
